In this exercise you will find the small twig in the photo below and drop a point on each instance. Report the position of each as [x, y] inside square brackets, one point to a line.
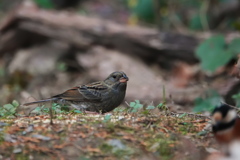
[234, 107]
[165, 129]
[192, 114]
[127, 104]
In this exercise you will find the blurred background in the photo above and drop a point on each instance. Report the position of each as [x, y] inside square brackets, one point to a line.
[183, 51]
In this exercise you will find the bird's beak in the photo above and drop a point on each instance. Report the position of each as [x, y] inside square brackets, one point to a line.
[124, 79]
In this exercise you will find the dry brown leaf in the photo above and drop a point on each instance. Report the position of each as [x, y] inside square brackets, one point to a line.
[102, 134]
[13, 129]
[90, 149]
[37, 148]
[82, 135]
[29, 139]
[129, 137]
[61, 146]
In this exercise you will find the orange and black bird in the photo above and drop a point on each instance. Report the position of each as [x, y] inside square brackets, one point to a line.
[226, 125]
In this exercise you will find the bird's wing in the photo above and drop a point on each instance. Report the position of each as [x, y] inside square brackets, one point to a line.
[72, 94]
[89, 92]
[93, 91]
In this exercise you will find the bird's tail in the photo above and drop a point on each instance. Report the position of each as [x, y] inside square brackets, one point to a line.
[41, 101]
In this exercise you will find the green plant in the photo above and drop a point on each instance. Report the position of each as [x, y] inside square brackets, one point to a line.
[135, 106]
[77, 111]
[56, 109]
[143, 9]
[9, 109]
[208, 103]
[44, 3]
[107, 118]
[162, 105]
[150, 107]
[182, 115]
[215, 52]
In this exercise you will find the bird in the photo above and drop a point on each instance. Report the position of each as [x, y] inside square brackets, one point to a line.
[101, 97]
[225, 126]
[226, 130]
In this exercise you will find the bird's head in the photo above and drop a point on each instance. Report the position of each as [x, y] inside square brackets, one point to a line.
[117, 79]
[223, 117]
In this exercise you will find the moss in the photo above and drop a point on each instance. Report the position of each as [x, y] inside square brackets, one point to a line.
[21, 157]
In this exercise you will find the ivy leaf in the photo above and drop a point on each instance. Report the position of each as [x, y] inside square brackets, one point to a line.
[135, 106]
[15, 103]
[150, 107]
[213, 53]
[207, 104]
[9, 109]
[77, 111]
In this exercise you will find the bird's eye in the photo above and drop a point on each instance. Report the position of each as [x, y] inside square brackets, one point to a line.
[114, 77]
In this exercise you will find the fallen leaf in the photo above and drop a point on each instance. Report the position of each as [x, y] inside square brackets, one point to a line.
[90, 149]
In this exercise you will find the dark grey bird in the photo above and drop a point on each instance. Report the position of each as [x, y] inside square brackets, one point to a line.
[102, 96]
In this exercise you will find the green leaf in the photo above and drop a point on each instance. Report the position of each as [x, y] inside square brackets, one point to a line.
[236, 96]
[135, 106]
[132, 104]
[182, 115]
[150, 107]
[213, 53]
[145, 10]
[202, 133]
[160, 105]
[44, 3]
[9, 108]
[37, 110]
[207, 104]
[107, 118]
[77, 111]
[195, 22]
[137, 101]
[216, 59]
[234, 46]
[15, 103]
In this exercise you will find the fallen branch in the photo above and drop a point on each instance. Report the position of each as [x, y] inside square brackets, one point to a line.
[29, 25]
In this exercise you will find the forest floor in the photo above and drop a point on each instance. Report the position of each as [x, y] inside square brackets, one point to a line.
[145, 134]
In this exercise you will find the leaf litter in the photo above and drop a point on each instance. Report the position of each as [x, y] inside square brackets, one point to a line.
[120, 135]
